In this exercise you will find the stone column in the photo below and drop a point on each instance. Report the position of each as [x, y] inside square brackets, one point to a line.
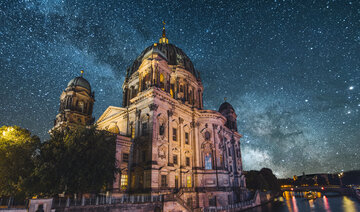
[181, 121]
[170, 113]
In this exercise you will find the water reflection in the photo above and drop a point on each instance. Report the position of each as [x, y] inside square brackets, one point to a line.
[349, 205]
[314, 202]
[294, 204]
[326, 204]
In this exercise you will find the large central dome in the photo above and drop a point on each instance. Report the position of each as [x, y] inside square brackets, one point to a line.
[173, 55]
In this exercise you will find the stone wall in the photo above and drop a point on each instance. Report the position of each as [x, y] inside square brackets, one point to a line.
[115, 208]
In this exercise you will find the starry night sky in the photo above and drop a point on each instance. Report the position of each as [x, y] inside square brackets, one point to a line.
[291, 69]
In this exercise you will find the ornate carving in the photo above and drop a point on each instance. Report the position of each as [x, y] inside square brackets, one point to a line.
[181, 120]
[153, 107]
[170, 113]
[175, 150]
[138, 113]
[162, 152]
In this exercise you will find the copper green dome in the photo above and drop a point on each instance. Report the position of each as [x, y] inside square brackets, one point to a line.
[173, 55]
[79, 81]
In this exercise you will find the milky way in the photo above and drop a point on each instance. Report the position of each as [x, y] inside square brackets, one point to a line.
[290, 69]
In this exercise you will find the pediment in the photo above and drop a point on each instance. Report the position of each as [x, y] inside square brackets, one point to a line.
[110, 112]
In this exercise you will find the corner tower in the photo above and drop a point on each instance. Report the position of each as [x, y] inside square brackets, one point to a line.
[76, 104]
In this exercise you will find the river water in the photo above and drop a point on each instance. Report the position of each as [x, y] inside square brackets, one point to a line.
[296, 202]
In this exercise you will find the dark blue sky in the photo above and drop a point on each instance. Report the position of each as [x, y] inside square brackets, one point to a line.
[291, 69]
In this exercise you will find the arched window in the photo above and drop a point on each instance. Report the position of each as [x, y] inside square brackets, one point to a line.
[208, 161]
[81, 105]
[144, 128]
[172, 88]
[207, 136]
[187, 138]
[146, 82]
[161, 129]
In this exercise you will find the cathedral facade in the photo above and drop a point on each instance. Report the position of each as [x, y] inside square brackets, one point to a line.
[167, 143]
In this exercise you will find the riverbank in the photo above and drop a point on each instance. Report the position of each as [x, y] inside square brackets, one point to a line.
[338, 203]
[259, 198]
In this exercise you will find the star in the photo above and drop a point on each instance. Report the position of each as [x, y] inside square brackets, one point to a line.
[268, 66]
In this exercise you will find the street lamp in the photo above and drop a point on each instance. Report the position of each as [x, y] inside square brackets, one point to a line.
[340, 175]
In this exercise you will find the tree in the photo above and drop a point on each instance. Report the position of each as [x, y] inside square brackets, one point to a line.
[262, 180]
[77, 161]
[272, 181]
[18, 148]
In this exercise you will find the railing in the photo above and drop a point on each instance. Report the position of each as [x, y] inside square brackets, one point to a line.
[239, 205]
[11, 202]
[106, 200]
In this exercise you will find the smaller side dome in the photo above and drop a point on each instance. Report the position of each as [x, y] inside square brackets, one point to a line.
[80, 81]
[226, 106]
[227, 110]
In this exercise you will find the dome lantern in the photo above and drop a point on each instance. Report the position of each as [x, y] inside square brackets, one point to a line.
[163, 38]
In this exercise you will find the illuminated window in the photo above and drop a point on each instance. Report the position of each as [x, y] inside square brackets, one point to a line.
[208, 161]
[132, 131]
[133, 181]
[174, 134]
[125, 157]
[123, 182]
[188, 181]
[187, 161]
[162, 84]
[172, 93]
[186, 138]
[176, 181]
[172, 88]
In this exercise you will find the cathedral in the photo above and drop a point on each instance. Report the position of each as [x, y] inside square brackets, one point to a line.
[167, 143]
